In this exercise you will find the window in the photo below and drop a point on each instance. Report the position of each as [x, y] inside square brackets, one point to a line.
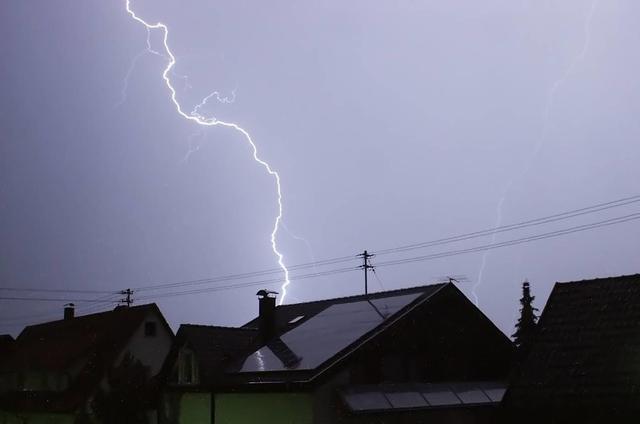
[150, 329]
[187, 368]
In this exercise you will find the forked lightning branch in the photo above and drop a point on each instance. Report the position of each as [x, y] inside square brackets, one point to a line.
[196, 117]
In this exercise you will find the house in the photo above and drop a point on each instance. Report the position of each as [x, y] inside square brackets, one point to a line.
[58, 371]
[584, 363]
[409, 355]
[6, 345]
[198, 360]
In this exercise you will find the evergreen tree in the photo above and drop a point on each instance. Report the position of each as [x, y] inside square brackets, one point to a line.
[526, 325]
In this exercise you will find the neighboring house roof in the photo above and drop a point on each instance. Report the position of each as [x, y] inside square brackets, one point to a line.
[417, 396]
[90, 342]
[213, 346]
[587, 349]
[6, 340]
[6, 345]
[311, 337]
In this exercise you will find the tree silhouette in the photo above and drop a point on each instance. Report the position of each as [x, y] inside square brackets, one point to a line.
[123, 402]
[526, 325]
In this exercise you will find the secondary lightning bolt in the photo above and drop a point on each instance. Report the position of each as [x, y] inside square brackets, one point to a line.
[200, 132]
[551, 97]
[199, 119]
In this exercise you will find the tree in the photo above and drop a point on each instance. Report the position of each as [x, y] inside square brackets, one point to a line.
[124, 401]
[526, 325]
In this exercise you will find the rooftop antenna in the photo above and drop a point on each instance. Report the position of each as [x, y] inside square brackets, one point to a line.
[366, 266]
[453, 279]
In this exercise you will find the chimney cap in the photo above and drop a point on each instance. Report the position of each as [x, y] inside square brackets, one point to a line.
[266, 293]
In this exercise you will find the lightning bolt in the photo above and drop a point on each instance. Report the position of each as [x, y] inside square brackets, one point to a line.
[200, 133]
[125, 84]
[192, 148]
[196, 117]
[551, 98]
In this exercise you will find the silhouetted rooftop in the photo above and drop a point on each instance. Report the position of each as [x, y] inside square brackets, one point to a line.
[91, 342]
[587, 349]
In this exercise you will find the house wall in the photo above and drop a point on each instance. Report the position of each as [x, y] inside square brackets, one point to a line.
[35, 418]
[263, 408]
[195, 408]
[151, 351]
[327, 406]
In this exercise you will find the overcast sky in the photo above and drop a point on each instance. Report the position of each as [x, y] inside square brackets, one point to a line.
[390, 123]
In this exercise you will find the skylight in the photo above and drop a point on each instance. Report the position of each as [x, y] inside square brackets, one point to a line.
[296, 319]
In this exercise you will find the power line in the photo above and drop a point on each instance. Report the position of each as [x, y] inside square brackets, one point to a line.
[48, 299]
[462, 237]
[232, 277]
[552, 234]
[93, 304]
[53, 313]
[249, 284]
[37, 290]
[517, 226]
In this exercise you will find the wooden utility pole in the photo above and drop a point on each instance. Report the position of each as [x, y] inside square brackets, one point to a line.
[127, 300]
[366, 266]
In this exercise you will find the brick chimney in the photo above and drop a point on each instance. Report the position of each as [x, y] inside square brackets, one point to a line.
[69, 311]
[266, 314]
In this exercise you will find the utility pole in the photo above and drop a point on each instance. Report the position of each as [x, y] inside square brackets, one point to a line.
[366, 266]
[127, 300]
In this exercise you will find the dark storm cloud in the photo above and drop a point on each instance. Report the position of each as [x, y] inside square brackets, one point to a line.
[390, 123]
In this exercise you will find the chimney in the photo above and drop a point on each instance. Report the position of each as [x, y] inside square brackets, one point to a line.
[69, 311]
[267, 314]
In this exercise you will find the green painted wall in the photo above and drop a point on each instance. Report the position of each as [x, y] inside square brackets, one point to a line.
[34, 418]
[195, 408]
[264, 408]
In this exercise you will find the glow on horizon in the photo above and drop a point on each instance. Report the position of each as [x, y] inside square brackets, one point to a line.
[199, 119]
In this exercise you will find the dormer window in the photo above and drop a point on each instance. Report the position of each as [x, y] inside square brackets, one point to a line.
[187, 368]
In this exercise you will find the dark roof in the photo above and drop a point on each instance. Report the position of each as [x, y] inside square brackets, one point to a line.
[57, 344]
[587, 349]
[6, 345]
[413, 396]
[6, 338]
[91, 341]
[286, 313]
[214, 346]
[313, 336]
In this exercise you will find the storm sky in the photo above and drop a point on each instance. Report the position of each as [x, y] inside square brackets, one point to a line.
[390, 123]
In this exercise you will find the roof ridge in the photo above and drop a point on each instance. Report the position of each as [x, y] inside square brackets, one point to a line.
[394, 291]
[95, 314]
[600, 279]
[217, 327]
